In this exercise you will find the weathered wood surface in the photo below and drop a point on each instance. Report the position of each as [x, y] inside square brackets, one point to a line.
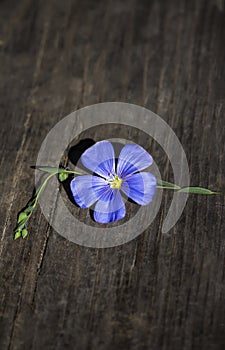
[156, 292]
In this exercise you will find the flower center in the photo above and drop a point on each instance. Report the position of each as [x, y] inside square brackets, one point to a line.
[116, 182]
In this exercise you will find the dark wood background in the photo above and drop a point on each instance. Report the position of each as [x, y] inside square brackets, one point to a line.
[157, 291]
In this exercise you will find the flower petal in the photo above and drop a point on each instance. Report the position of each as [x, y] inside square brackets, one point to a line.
[100, 159]
[110, 207]
[87, 189]
[140, 187]
[132, 158]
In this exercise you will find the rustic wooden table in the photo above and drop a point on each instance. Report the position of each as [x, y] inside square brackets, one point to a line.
[157, 291]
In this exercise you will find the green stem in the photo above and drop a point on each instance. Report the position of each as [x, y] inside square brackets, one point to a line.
[167, 188]
[24, 215]
[37, 195]
[41, 188]
[73, 172]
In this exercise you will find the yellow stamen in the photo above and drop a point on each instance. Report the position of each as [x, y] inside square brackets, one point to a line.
[116, 182]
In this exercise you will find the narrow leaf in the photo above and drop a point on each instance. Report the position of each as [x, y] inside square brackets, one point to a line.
[49, 169]
[197, 190]
[28, 209]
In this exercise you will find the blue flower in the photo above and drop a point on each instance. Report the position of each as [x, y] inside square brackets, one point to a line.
[104, 187]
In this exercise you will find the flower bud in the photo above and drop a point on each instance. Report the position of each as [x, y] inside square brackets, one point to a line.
[17, 234]
[22, 217]
[24, 233]
[63, 176]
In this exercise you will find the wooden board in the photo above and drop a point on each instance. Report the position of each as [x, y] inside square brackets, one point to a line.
[157, 291]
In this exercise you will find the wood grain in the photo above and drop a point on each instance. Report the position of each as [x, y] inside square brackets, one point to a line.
[156, 292]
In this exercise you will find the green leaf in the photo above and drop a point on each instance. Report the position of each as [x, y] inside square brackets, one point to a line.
[168, 184]
[28, 209]
[197, 190]
[24, 233]
[50, 169]
[63, 176]
[17, 234]
[21, 225]
[22, 217]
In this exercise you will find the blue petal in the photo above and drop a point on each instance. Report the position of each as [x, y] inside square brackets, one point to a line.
[87, 189]
[140, 187]
[133, 158]
[100, 159]
[110, 207]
